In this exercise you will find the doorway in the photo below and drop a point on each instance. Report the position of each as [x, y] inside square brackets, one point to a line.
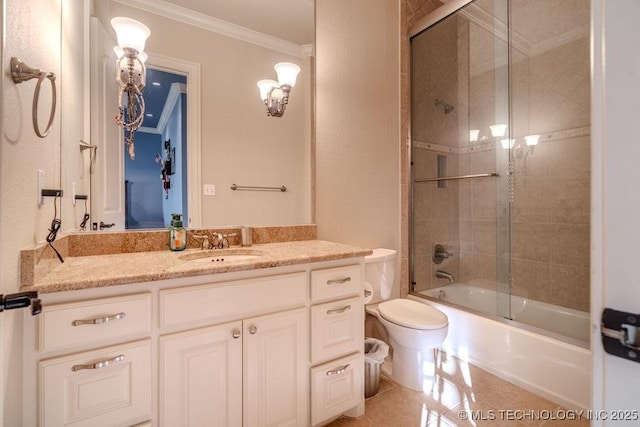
[155, 182]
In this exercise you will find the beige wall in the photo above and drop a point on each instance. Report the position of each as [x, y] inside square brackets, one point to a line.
[358, 122]
[22, 153]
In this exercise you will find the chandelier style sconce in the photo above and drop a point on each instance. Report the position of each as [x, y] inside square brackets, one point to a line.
[521, 150]
[131, 75]
[275, 94]
[498, 131]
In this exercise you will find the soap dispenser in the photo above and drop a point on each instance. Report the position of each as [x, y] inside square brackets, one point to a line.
[177, 234]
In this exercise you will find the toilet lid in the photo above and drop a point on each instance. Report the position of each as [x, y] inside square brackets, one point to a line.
[412, 314]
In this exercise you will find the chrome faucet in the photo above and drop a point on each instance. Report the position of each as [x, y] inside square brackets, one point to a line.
[444, 275]
[220, 241]
[217, 241]
[205, 241]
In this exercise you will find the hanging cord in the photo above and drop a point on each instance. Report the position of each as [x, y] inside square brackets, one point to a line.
[86, 216]
[55, 227]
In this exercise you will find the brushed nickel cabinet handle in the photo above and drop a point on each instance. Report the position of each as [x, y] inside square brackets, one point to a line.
[99, 320]
[338, 281]
[338, 371]
[236, 333]
[253, 329]
[98, 365]
[339, 310]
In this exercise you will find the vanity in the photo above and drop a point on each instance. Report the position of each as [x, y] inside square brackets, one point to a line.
[273, 336]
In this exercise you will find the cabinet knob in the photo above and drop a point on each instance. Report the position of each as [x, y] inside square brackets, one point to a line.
[236, 333]
[253, 329]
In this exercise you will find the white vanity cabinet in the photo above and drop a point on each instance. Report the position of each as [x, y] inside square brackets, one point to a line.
[201, 376]
[270, 347]
[256, 367]
[251, 372]
[108, 386]
[100, 385]
[337, 328]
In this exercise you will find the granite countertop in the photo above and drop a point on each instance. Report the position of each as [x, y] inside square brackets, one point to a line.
[83, 272]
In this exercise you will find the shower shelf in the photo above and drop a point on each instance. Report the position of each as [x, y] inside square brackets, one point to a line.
[446, 178]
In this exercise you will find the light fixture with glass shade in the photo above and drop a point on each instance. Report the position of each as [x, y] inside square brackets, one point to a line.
[498, 130]
[507, 143]
[131, 75]
[275, 94]
[532, 140]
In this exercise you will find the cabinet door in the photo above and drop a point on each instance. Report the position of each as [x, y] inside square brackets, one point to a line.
[337, 329]
[336, 387]
[276, 375]
[105, 387]
[201, 377]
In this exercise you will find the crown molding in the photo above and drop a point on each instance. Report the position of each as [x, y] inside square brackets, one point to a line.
[172, 99]
[175, 91]
[209, 23]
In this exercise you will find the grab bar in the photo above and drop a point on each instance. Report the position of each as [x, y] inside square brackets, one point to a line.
[21, 72]
[445, 178]
[249, 187]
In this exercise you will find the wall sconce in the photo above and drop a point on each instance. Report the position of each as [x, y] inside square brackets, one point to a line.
[507, 143]
[530, 142]
[498, 130]
[131, 75]
[275, 94]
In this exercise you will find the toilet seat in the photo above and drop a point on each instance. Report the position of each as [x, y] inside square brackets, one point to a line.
[412, 314]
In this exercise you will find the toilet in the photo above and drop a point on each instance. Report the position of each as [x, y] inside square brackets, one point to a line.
[415, 330]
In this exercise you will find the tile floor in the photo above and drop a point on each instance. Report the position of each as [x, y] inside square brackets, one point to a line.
[461, 392]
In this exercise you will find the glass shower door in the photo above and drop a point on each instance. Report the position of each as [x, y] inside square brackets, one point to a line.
[460, 122]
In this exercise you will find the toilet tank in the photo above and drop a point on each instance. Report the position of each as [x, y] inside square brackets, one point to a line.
[379, 273]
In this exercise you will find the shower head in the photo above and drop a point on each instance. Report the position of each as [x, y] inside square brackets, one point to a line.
[447, 107]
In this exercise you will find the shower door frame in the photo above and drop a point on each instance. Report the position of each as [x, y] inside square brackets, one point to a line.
[503, 246]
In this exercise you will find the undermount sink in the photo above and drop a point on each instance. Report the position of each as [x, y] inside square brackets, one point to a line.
[222, 255]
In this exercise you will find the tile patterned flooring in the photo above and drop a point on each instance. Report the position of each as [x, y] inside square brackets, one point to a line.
[460, 392]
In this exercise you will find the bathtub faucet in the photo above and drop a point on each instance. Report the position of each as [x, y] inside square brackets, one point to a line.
[444, 275]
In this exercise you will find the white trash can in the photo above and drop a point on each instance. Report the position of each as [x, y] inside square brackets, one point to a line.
[375, 352]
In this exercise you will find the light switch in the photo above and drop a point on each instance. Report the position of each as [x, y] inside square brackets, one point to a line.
[209, 190]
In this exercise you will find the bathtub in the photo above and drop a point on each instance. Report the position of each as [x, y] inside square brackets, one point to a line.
[548, 364]
[556, 319]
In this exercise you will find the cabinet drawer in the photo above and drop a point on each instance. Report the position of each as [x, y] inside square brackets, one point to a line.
[337, 328]
[232, 300]
[336, 387]
[337, 282]
[106, 387]
[67, 325]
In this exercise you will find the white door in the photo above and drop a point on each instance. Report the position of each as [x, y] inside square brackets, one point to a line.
[107, 177]
[276, 370]
[615, 200]
[201, 377]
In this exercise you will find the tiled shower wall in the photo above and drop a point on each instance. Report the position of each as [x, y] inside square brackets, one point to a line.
[550, 202]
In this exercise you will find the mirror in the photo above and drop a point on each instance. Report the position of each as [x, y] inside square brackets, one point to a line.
[221, 49]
